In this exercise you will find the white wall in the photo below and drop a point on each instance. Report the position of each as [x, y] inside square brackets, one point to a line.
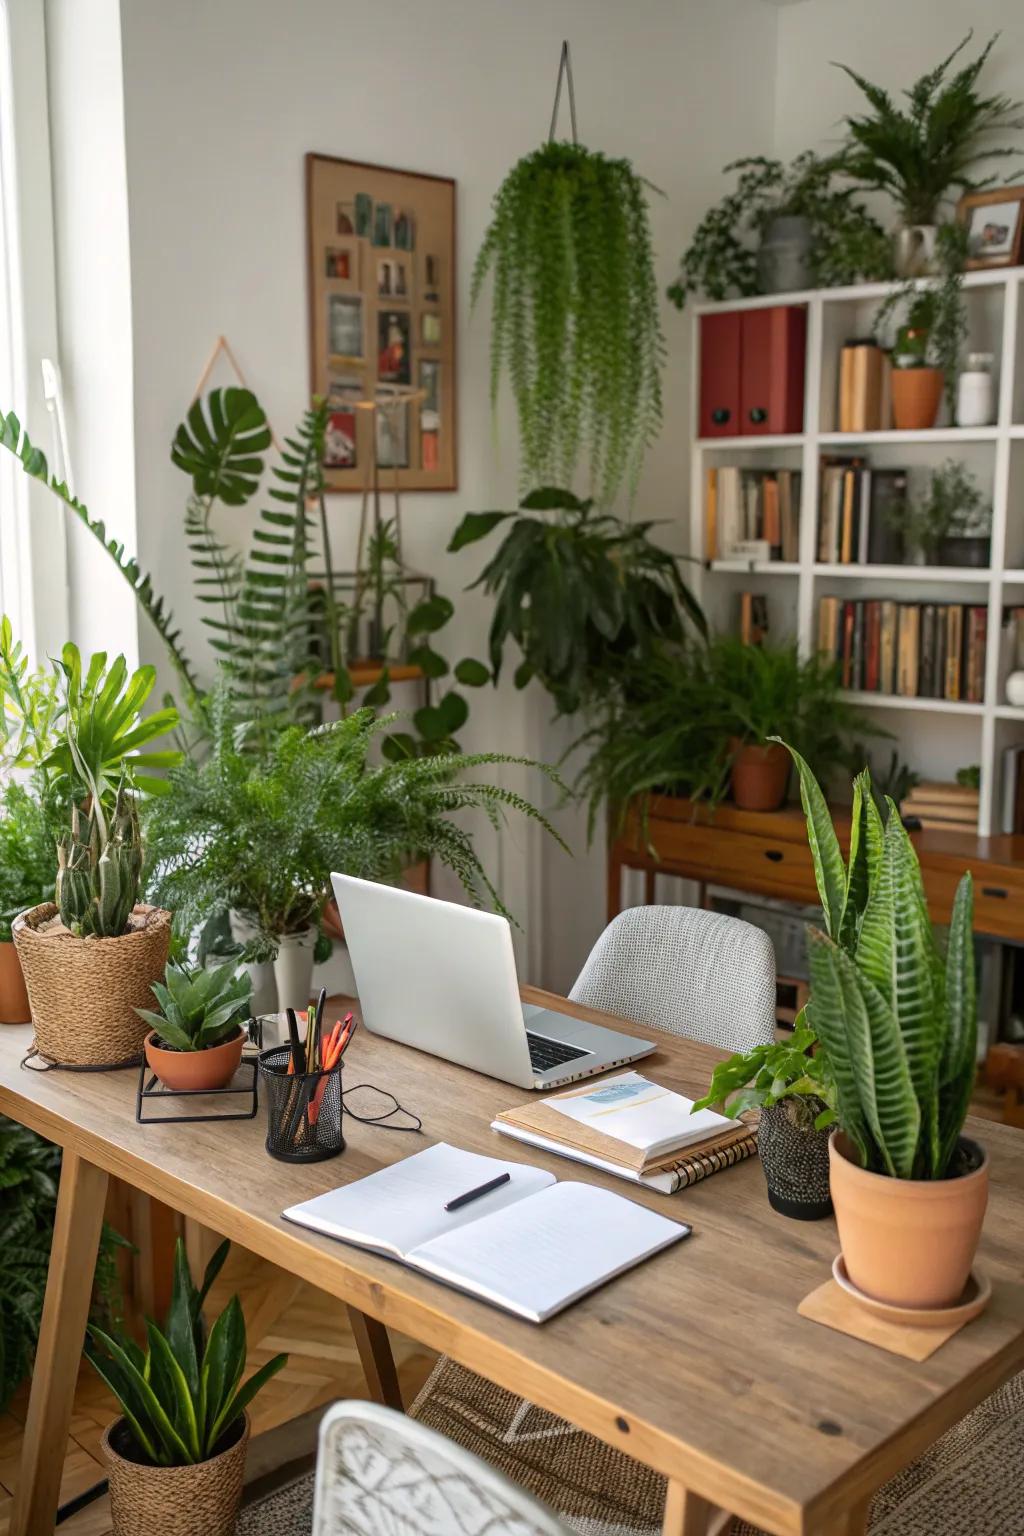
[892, 44]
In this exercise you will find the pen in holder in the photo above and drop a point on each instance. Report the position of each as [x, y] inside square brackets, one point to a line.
[303, 1109]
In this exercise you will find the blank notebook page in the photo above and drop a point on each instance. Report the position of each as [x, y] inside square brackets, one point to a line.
[543, 1253]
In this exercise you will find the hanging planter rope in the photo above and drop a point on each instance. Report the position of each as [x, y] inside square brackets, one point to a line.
[574, 320]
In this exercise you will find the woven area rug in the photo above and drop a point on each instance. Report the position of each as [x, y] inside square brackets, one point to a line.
[967, 1484]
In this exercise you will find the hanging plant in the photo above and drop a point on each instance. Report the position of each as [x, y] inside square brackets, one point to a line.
[575, 315]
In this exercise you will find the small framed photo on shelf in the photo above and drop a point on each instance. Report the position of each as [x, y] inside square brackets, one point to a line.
[995, 224]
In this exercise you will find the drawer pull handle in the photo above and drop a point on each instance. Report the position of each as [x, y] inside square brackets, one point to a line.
[995, 890]
[720, 416]
[774, 854]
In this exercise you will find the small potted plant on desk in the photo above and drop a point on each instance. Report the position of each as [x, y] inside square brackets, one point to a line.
[790, 1081]
[897, 1020]
[197, 1036]
[178, 1452]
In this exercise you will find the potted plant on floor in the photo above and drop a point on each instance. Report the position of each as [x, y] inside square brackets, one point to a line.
[790, 1082]
[91, 956]
[198, 1033]
[181, 1443]
[924, 152]
[26, 879]
[898, 1022]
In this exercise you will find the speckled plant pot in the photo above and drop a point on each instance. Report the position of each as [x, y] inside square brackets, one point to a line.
[796, 1165]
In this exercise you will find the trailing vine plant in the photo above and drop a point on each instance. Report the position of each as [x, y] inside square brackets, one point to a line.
[574, 322]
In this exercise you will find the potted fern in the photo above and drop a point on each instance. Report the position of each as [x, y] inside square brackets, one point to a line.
[897, 1020]
[197, 1035]
[933, 146]
[181, 1442]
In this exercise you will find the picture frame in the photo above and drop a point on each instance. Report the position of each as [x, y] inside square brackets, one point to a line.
[994, 219]
[381, 291]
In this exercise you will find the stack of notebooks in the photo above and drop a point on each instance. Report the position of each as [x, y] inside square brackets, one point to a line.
[629, 1126]
[752, 514]
[948, 807]
[858, 521]
[916, 650]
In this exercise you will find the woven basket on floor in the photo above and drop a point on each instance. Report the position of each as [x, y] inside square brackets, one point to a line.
[200, 1500]
[83, 992]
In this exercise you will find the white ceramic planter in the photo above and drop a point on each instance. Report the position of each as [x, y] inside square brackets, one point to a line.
[261, 974]
[293, 969]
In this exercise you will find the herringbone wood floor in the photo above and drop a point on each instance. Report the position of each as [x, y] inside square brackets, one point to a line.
[281, 1313]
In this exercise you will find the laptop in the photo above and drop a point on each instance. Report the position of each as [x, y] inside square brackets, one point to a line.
[442, 977]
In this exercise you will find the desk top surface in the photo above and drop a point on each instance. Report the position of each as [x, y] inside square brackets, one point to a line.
[696, 1362]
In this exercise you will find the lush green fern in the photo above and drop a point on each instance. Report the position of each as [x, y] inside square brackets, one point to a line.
[575, 315]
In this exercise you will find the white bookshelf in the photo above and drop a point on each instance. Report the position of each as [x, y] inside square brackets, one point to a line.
[935, 736]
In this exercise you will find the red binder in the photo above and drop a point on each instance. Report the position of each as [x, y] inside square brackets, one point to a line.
[720, 375]
[773, 345]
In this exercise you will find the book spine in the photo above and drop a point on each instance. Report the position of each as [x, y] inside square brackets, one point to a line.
[711, 516]
[954, 651]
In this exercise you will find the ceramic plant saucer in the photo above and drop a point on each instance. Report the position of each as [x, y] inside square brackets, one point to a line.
[975, 1298]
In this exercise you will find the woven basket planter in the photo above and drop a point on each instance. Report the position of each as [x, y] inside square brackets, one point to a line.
[795, 1164]
[83, 992]
[200, 1500]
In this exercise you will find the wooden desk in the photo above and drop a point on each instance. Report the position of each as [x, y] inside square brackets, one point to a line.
[766, 852]
[695, 1363]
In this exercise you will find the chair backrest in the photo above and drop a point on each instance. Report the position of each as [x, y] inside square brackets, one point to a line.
[378, 1472]
[695, 973]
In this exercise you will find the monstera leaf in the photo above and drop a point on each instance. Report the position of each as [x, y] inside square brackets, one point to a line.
[223, 451]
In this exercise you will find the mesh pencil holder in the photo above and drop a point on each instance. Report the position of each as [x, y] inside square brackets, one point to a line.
[303, 1110]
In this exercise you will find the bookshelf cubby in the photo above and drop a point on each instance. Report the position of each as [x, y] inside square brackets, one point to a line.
[934, 736]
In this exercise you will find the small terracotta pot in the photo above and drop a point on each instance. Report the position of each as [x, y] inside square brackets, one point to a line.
[759, 775]
[908, 1242]
[195, 1071]
[14, 1008]
[199, 1500]
[916, 397]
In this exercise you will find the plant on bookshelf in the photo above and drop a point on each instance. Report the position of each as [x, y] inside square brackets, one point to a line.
[951, 524]
[929, 342]
[922, 153]
[830, 236]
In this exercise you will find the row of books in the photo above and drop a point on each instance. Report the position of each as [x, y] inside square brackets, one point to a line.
[942, 806]
[752, 514]
[915, 650]
[858, 514]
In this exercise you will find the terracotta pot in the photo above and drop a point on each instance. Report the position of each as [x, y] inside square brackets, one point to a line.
[908, 1242]
[195, 1071]
[14, 1008]
[759, 775]
[199, 1500]
[916, 397]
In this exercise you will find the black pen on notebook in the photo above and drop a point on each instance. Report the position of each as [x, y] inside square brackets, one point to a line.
[481, 1189]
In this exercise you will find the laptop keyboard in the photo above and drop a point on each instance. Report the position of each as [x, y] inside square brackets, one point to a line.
[545, 1053]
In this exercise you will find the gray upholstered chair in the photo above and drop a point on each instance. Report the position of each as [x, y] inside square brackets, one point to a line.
[379, 1472]
[700, 974]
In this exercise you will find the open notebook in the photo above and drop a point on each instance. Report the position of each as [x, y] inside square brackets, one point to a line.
[533, 1246]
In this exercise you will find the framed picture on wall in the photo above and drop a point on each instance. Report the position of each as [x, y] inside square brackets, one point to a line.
[995, 224]
[381, 276]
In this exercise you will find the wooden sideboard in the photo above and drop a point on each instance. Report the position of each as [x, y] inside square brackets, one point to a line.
[766, 853]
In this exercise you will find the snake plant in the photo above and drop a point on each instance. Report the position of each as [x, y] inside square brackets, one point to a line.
[99, 868]
[896, 1017]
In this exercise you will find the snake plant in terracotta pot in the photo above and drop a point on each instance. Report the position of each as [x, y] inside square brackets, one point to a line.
[197, 1036]
[897, 1019]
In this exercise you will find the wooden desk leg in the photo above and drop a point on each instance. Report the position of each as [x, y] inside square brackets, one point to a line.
[378, 1362]
[76, 1237]
[686, 1513]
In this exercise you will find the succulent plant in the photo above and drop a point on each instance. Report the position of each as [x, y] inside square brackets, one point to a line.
[99, 867]
[198, 1008]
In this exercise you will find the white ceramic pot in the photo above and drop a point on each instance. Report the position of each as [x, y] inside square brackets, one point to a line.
[261, 973]
[293, 969]
[914, 250]
[1015, 689]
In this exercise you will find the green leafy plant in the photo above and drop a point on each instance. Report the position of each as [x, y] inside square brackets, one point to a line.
[935, 326]
[847, 244]
[671, 728]
[953, 507]
[199, 1008]
[182, 1395]
[896, 1017]
[26, 854]
[923, 152]
[793, 1072]
[261, 832]
[894, 781]
[99, 868]
[574, 320]
[581, 593]
[969, 777]
[29, 1171]
[30, 705]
